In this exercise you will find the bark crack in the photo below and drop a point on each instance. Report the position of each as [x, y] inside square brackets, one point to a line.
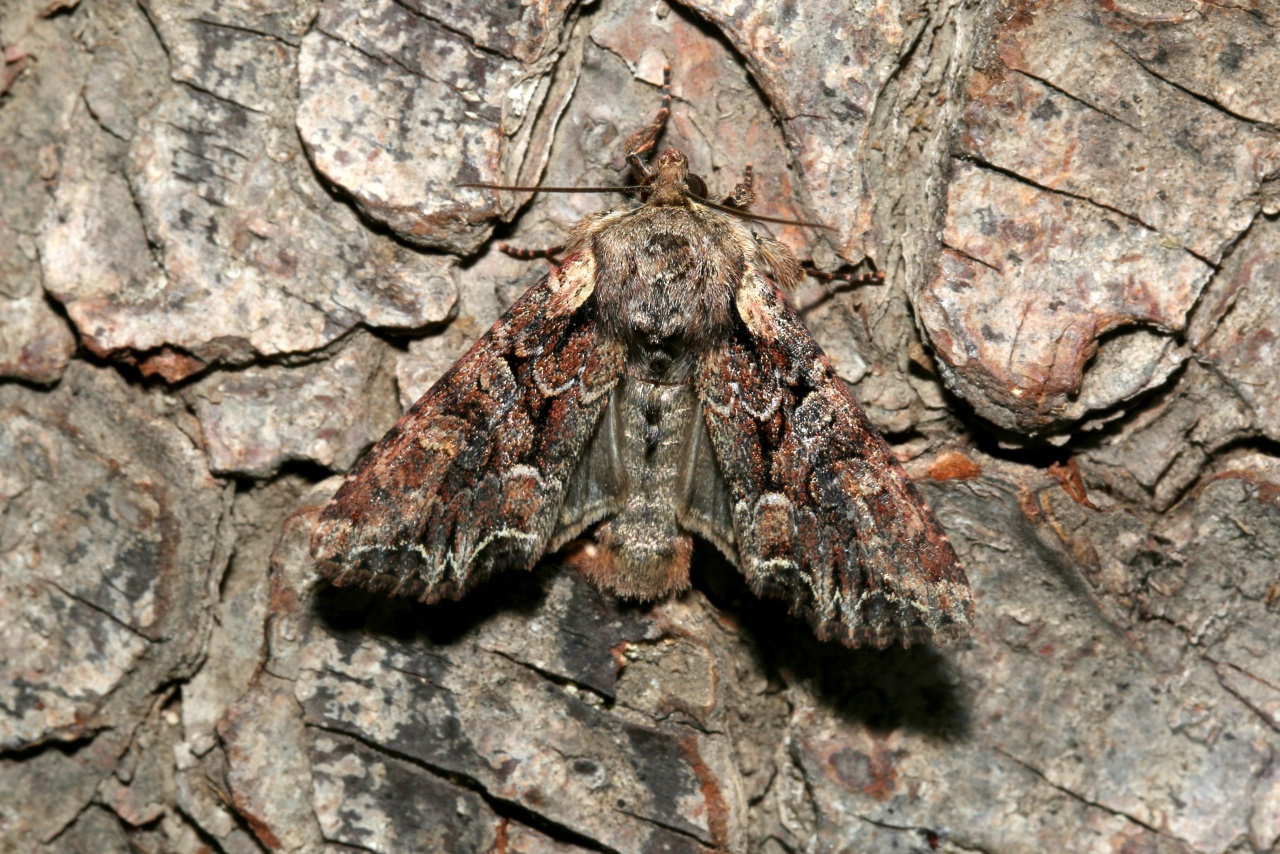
[204, 90]
[558, 679]
[1268, 719]
[94, 606]
[1058, 191]
[241, 28]
[1190, 93]
[679, 831]
[381, 59]
[1075, 98]
[1079, 797]
[974, 258]
[503, 807]
[457, 31]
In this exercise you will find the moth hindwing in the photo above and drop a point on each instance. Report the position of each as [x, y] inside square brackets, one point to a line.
[655, 385]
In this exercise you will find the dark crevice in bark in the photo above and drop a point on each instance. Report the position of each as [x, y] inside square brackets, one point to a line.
[1268, 719]
[94, 606]
[204, 90]
[205, 836]
[974, 258]
[670, 828]
[68, 747]
[382, 59]
[1194, 320]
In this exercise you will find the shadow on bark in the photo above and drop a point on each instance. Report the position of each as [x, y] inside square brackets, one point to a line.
[915, 689]
[344, 610]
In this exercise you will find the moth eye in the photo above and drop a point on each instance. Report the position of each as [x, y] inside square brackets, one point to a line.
[696, 185]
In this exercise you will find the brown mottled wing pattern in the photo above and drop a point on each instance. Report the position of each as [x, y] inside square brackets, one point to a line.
[472, 477]
[823, 513]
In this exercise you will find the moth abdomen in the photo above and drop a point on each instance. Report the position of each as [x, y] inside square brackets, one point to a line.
[643, 552]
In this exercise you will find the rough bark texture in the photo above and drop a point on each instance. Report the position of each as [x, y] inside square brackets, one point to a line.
[231, 250]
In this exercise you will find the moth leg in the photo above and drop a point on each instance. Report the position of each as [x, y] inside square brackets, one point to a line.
[642, 141]
[743, 195]
[788, 276]
[550, 253]
[850, 279]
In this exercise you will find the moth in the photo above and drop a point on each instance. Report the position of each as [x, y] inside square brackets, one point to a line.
[654, 386]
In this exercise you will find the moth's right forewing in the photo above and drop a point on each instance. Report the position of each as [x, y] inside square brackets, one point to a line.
[824, 515]
[473, 476]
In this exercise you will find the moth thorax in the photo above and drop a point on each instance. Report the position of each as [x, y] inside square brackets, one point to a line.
[670, 360]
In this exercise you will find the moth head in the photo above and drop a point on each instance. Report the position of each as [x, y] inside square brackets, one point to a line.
[670, 183]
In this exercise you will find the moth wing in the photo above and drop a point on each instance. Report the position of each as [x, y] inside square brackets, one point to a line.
[473, 476]
[598, 484]
[824, 515]
[702, 502]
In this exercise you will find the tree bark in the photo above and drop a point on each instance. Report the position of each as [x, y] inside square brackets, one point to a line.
[233, 249]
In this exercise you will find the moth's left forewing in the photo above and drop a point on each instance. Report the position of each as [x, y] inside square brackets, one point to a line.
[824, 514]
[473, 476]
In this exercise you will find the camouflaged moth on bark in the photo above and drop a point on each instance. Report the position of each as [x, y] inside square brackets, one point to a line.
[654, 385]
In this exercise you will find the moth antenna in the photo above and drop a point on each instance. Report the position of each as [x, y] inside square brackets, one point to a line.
[757, 217]
[512, 187]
